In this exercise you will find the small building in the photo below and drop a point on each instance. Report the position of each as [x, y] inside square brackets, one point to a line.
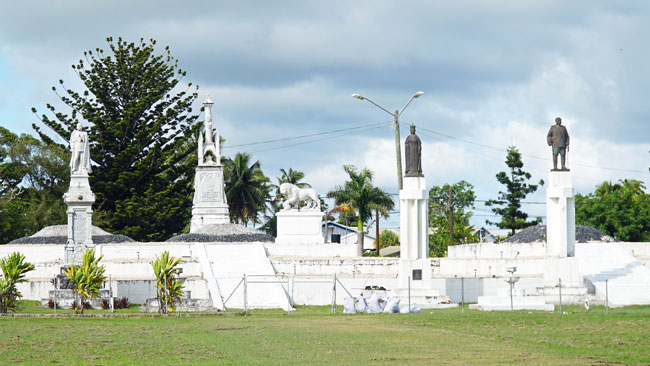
[484, 236]
[339, 233]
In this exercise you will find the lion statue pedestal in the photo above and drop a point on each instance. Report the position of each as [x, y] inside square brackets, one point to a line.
[296, 224]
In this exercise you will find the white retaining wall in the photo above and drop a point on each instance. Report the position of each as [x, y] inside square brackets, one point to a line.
[128, 264]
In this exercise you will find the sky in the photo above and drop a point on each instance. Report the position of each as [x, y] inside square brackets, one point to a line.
[494, 74]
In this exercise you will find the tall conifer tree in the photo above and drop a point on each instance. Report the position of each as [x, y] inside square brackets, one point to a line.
[517, 189]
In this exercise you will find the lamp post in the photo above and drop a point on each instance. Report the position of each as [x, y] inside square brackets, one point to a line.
[396, 116]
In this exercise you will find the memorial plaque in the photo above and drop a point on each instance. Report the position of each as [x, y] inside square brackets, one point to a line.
[417, 275]
[210, 187]
[79, 227]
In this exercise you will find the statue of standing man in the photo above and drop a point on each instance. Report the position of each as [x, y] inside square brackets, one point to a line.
[558, 139]
[413, 155]
[80, 160]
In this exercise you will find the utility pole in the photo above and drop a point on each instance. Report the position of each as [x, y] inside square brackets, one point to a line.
[398, 150]
[377, 231]
[451, 219]
[395, 115]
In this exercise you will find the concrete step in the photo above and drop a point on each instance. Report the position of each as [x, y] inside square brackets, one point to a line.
[424, 298]
[500, 303]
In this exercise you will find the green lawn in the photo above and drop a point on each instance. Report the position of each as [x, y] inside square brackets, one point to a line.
[312, 336]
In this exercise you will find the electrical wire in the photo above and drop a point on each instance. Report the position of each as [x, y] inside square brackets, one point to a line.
[308, 135]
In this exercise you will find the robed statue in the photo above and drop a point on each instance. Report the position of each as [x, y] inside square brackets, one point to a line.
[413, 155]
[80, 159]
[209, 153]
[558, 139]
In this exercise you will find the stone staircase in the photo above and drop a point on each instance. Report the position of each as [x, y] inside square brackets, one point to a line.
[610, 270]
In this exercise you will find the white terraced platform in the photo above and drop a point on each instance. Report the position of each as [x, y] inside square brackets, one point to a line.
[229, 263]
[628, 280]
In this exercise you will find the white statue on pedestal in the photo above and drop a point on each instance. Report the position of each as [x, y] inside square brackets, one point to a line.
[209, 153]
[80, 160]
[294, 195]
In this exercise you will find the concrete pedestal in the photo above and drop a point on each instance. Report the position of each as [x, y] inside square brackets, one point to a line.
[560, 215]
[210, 206]
[414, 238]
[300, 227]
[79, 199]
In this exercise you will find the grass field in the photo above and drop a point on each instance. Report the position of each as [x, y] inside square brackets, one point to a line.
[312, 336]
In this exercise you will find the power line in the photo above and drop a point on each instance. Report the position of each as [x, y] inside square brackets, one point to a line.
[527, 155]
[304, 136]
[316, 140]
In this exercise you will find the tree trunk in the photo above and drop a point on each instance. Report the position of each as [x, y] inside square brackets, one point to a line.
[360, 237]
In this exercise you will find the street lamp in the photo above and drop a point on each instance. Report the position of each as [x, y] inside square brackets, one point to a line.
[395, 115]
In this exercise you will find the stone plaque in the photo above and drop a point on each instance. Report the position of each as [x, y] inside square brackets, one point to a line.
[210, 187]
[417, 275]
[79, 227]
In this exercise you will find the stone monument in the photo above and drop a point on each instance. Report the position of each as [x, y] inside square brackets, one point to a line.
[414, 238]
[560, 262]
[79, 199]
[296, 224]
[210, 206]
[560, 206]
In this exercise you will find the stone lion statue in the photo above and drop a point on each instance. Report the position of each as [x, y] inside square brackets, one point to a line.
[294, 195]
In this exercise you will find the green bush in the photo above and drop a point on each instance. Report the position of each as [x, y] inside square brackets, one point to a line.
[13, 268]
[87, 278]
[388, 238]
[169, 287]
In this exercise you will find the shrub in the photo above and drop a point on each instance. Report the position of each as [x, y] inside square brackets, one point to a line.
[105, 304]
[388, 238]
[169, 288]
[88, 277]
[124, 303]
[50, 304]
[14, 269]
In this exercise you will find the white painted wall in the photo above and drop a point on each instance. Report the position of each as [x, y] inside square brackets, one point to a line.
[128, 263]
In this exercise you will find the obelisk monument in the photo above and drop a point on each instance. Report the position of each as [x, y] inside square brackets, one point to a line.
[209, 206]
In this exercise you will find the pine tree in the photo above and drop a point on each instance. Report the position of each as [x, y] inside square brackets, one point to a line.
[141, 137]
[517, 189]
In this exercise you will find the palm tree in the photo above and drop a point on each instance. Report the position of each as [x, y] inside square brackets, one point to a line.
[293, 177]
[359, 194]
[247, 188]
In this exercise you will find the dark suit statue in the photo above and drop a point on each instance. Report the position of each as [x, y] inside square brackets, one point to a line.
[558, 139]
[413, 155]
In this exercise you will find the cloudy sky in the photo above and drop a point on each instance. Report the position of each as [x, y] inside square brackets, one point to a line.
[493, 73]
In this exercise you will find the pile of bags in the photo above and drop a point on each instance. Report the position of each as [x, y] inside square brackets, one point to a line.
[374, 304]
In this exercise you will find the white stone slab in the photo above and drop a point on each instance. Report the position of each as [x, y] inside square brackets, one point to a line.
[502, 303]
[332, 250]
[300, 227]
